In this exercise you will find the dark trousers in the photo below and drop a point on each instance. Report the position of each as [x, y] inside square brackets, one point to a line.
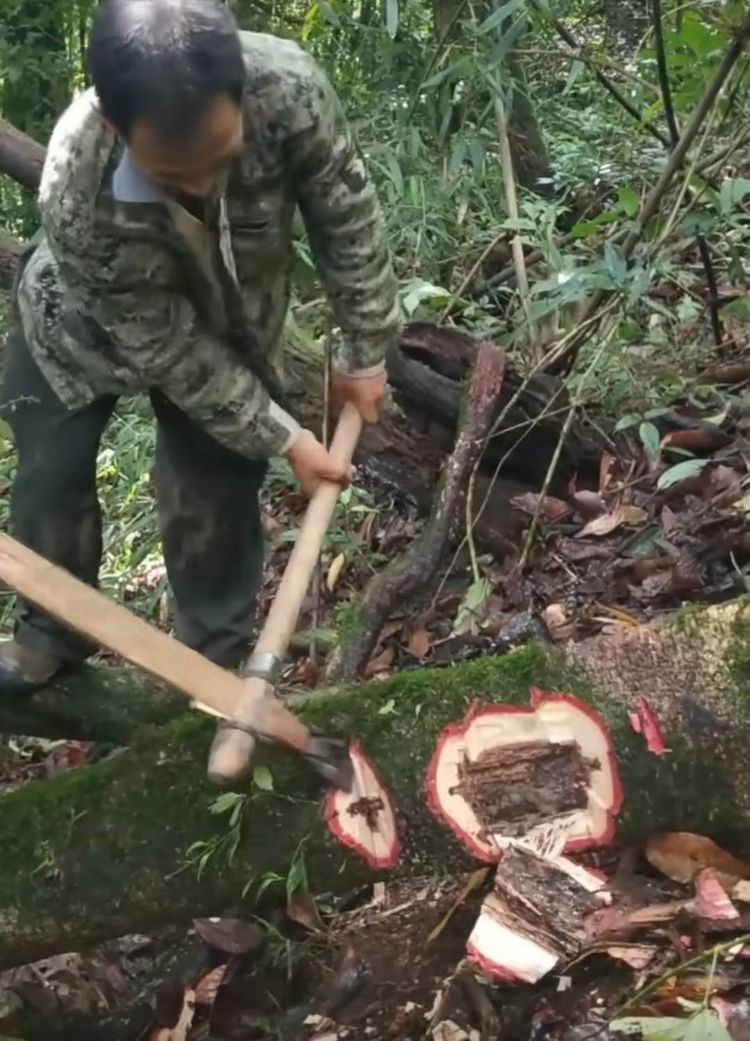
[208, 512]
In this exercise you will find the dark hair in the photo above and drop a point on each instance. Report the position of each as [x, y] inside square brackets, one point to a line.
[164, 61]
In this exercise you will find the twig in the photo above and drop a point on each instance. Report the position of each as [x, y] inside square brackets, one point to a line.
[580, 55]
[565, 34]
[674, 970]
[674, 133]
[551, 469]
[501, 235]
[507, 272]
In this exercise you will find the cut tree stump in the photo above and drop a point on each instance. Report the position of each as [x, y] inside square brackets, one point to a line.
[104, 850]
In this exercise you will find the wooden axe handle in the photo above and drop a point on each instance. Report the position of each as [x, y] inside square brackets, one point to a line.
[108, 624]
[231, 753]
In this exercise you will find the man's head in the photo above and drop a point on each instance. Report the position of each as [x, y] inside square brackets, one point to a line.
[169, 75]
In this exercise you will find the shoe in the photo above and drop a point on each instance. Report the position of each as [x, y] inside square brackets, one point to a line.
[23, 670]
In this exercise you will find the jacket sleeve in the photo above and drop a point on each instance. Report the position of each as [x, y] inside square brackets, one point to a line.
[345, 227]
[168, 347]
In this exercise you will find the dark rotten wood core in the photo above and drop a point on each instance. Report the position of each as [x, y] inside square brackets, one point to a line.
[514, 787]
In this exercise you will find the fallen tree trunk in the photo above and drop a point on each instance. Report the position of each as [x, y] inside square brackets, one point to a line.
[107, 849]
[101, 703]
[21, 157]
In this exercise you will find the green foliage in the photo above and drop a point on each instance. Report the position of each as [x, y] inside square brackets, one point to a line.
[705, 1025]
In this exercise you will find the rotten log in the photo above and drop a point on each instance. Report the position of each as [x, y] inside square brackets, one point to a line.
[405, 452]
[406, 578]
[21, 157]
[107, 849]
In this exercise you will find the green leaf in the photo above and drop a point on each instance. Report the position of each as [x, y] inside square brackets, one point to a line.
[388, 709]
[650, 439]
[574, 72]
[628, 201]
[391, 17]
[394, 171]
[680, 472]
[704, 1026]
[656, 1028]
[615, 263]
[297, 877]
[626, 422]
[456, 70]
[584, 228]
[739, 308]
[497, 17]
[226, 802]
[707, 1026]
[263, 778]
[329, 14]
[733, 192]
[472, 608]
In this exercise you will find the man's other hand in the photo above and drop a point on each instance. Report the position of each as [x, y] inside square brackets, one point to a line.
[364, 392]
[311, 464]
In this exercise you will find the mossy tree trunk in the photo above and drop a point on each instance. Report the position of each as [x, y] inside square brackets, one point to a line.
[104, 850]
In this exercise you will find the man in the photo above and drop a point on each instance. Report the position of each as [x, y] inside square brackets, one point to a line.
[163, 265]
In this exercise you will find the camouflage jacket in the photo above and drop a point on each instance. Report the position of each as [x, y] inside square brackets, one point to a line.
[127, 292]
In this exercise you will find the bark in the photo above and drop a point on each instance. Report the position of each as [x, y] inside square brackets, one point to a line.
[406, 578]
[105, 850]
[531, 160]
[21, 157]
[100, 703]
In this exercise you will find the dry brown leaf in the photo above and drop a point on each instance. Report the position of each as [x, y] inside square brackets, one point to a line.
[634, 955]
[303, 910]
[307, 672]
[449, 1031]
[207, 988]
[669, 522]
[560, 627]
[179, 1032]
[229, 935]
[589, 504]
[741, 892]
[706, 439]
[474, 881]
[552, 509]
[381, 662]
[606, 465]
[606, 524]
[681, 856]
[419, 643]
[334, 571]
[711, 900]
